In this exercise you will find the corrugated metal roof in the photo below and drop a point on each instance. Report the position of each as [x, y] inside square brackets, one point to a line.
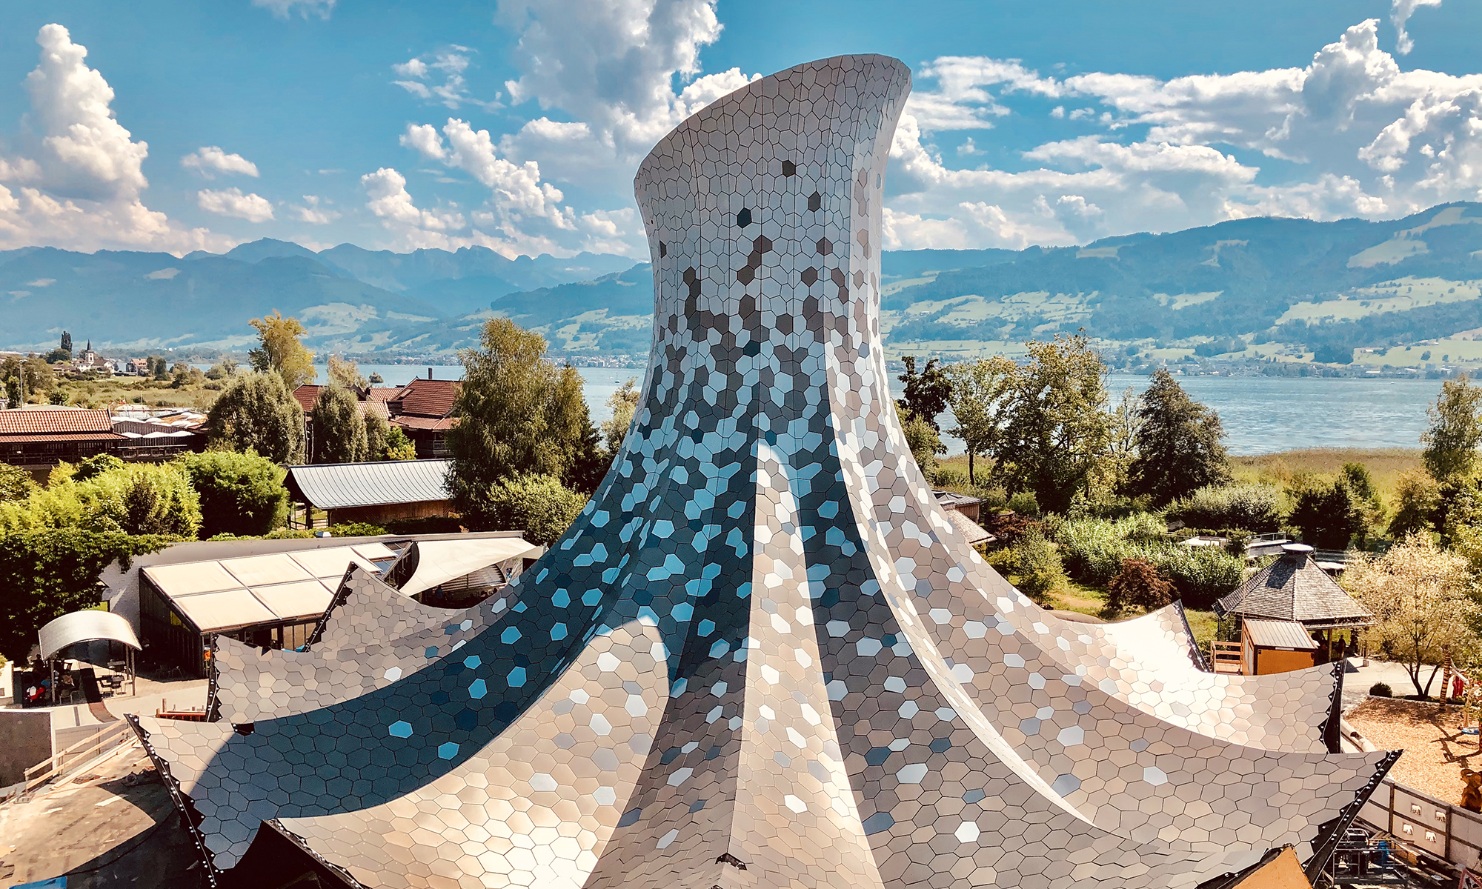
[1294, 588]
[1279, 634]
[46, 421]
[342, 485]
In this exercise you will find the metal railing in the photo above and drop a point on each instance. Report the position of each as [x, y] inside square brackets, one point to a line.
[107, 739]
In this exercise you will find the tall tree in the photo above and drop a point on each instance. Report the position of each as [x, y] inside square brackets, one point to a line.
[1455, 432]
[376, 432]
[346, 373]
[517, 413]
[337, 428]
[926, 393]
[1178, 447]
[257, 412]
[979, 396]
[1328, 515]
[1056, 428]
[279, 350]
[1418, 594]
[624, 404]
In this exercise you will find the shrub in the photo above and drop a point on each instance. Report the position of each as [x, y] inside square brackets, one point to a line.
[1249, 507]
[15, 483]
[1199, 574]
[1138, 585]
[1025, 504]
[241, 494]
[1037, 565]
[426, 525]
[135, 498]
[355, 529]
[1381, 690]
[1094, 551]
[538, 505]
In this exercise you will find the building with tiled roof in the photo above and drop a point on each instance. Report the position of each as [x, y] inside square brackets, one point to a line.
[424, 411]
[1295, 592]
[40, 437]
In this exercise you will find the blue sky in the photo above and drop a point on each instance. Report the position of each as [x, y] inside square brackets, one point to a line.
[517, 124]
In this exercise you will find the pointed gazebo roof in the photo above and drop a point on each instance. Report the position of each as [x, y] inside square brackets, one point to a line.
[1294, 588]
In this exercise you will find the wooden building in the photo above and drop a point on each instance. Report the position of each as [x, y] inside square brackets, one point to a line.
[424, 411]
[38, 438]
[376, 492]
[1275, 646]
[1293, 589]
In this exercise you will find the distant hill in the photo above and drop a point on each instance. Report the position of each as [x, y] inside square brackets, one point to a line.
[1403, 292]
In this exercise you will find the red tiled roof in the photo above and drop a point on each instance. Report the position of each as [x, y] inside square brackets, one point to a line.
[306, 395]
[22, 438]
[51, 421]
[427, 398]
[434, 424]
[384, 393]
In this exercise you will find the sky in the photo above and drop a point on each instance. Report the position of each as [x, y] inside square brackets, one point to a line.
[517, 125]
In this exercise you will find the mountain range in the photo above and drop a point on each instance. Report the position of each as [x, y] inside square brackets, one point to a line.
[1266, 289]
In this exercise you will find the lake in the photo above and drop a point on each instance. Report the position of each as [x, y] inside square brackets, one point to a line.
[1261, 415]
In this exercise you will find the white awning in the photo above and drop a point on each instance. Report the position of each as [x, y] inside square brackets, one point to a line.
[85, 626]
[439, 561]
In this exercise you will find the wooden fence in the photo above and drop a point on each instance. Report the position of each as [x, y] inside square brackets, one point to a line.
[108, 737]
[1449, 833]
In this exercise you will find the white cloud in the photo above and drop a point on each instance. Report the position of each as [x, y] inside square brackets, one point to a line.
[439, 78]
[284, 9]
[1352, 133]
[613, 63]
[388, 199]
[78, 180]
[313, 211]
[232, 202]
[210, 160]
[1400, 14]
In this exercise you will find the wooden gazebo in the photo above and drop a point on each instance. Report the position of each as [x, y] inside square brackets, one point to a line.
[1294, 610]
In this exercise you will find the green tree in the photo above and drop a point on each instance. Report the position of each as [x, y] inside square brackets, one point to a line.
[338, 430]
[376, 431]
[1178, 447]
[14, 391]
[1249, 506]
[517, 412]
[1420, 597]
[46, 574]
[159, 368]
[280, 350]
[926, 393]
[346, 373]
[1456, 430]
[1417, 497]
[624, 404]
[1056, 428]
[923, 441]
[183, 375]
[258, 413]
[1138, 585]
[538, 505]
[979, 395]
[240, 494]
[223, 369]
[398, 446]
[1329, 516]
[94, 466]
[15, 483]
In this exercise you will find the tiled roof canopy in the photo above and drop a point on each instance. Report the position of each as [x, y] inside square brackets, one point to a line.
[1294, 588]
[427, 398]
[45, 421]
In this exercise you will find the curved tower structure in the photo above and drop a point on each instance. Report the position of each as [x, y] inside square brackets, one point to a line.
[762, 656]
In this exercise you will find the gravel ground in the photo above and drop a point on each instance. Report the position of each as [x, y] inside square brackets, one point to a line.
[1435, 749]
